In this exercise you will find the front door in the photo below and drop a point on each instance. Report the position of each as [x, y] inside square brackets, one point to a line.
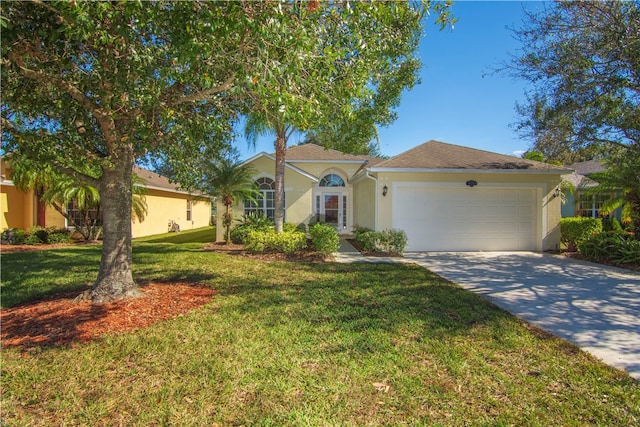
[332, 208]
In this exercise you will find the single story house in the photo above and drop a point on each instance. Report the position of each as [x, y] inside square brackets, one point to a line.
[578, 203]
[445, 197]
[165, 202]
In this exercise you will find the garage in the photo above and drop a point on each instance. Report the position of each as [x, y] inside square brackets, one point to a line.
[461, 218]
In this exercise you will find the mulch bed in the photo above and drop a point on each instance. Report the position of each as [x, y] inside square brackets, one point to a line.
[60, 320]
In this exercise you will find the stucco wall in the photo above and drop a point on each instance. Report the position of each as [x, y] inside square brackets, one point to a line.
[365, 194]
[163, 206]
[13, 204]
[319, 169]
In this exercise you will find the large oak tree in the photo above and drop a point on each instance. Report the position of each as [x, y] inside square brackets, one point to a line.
[90, 87]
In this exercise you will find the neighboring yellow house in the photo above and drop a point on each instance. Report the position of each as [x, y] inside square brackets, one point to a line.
[165, 203]
[445, 197]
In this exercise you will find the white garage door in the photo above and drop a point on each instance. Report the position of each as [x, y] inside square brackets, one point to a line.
[466, 219]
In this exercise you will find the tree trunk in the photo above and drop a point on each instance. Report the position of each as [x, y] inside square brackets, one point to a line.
[115, 280]
[281, 152]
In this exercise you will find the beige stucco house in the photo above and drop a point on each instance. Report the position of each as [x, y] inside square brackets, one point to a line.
[445, 197]
[165, 202]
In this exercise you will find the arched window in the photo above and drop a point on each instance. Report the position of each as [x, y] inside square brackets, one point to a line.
[264, 203]
[331, 180]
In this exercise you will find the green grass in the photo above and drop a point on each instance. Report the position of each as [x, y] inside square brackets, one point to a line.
[304, 345]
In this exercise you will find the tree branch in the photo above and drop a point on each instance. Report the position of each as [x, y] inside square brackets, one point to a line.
[205, 94]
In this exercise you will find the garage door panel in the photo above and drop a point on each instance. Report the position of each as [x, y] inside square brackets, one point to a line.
[466, 219]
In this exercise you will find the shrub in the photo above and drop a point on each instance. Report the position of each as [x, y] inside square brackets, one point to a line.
[392, 241]
[324, 238]
[366, 238]
[250, 222]
[61, 235]
[576, 229]
[389, 241]
[611, 224]
[41, 235]
[33, 239]
[13, 236]
[287, 241]
[615, 246]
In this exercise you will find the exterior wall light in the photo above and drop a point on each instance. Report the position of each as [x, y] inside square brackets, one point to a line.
[471, 183]
[385, 190]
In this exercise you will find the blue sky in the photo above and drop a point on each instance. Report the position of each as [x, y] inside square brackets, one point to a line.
[459, 100]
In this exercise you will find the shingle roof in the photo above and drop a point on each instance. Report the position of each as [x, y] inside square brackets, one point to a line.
[152, 179]
[579, 178]
[588, 167]
[319, 153]
[440, 155]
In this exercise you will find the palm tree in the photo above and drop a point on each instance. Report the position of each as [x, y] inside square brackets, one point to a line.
[58, 191]
[230, 181]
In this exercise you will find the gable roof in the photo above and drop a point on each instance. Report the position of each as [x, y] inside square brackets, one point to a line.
[588, 167]
[286, 165]
[436, 155]
[580, 178]
[316, 153]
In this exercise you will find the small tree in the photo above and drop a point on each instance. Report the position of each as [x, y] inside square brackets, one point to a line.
[230, 182]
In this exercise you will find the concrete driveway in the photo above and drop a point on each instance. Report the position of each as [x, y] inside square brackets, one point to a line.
[593, 306]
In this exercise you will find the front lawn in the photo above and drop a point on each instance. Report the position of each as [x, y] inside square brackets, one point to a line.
[301, 344]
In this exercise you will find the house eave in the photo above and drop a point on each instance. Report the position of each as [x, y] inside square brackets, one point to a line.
[287, 165]
[475, 171]
[357, 162]
[171, 190]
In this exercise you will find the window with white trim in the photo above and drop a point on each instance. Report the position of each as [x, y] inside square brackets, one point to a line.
[331, 180]
[589, 206]
[264, 203]
[189, 210]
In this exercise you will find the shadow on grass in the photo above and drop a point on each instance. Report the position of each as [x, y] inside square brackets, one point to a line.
[202, 235]
[365, 298]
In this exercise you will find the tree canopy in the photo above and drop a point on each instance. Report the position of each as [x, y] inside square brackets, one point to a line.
[583, 61]
[338, 69]
[90, 87]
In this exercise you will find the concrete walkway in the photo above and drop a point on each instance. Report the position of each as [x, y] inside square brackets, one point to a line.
[593, 306]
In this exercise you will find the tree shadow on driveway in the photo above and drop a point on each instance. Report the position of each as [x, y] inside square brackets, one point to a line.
[596, 307]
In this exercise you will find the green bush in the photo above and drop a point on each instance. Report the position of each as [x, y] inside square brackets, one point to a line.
[324, 238]
[615, 246]
[575, 230]
[388, 241]
[250, 222]
[287, 241]
[13, 236]
[37, 235]
[392, 241]
[611, 224]
[61, 235]
[33, 239]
